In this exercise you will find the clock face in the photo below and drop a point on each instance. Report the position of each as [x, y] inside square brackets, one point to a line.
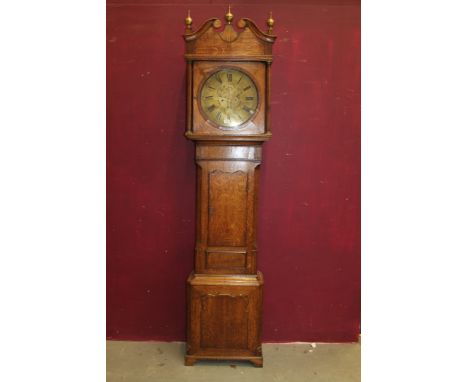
[229, 97]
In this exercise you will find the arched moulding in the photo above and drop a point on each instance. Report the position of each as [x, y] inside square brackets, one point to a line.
[210, 23]
[211, 41]
[248, 23]
[228, 32]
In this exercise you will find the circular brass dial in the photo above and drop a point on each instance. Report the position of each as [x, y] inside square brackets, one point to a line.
[229, 97]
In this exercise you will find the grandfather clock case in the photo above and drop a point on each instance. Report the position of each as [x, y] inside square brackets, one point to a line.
[228, 99]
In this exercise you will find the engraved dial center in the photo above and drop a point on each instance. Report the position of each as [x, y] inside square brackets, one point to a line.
[228, 97]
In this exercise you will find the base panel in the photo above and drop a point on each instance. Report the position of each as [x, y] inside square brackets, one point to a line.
[224, 318]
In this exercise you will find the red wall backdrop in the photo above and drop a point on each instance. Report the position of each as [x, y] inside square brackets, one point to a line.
[309, 225]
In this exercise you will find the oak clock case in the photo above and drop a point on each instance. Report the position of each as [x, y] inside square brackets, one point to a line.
[228, 87]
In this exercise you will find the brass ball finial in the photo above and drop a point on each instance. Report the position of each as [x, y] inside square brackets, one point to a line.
[188, 22]
[270, 22]
[229, 16]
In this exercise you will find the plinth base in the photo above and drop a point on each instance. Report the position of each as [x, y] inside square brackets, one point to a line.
[224, 318]
[190, 360]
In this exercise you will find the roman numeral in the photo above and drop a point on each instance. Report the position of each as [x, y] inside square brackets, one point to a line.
[218, 78]
[240, 78]
[249, 98]
[248, 110]
[208, 97]
[211, 108]
[247, 88]
[218, 116]
[229, 77]
[211, 87]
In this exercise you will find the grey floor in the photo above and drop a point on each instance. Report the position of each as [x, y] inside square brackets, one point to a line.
[163, 361]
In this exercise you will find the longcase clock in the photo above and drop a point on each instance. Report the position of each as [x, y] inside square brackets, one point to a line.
[228, 95]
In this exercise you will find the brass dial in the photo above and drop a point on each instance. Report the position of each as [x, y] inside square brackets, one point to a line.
[229, 97]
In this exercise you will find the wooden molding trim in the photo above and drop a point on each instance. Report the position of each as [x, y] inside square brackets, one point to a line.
[214, 279]
[247, 138]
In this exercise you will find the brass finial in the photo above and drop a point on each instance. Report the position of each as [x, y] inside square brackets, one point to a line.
[188, 22]
[229, 16]
[270, 22]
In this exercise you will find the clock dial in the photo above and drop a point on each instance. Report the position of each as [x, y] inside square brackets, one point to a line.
[229, 97]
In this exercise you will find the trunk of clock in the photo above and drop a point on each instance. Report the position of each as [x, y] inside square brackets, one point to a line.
[227, 184]
[225, 291]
